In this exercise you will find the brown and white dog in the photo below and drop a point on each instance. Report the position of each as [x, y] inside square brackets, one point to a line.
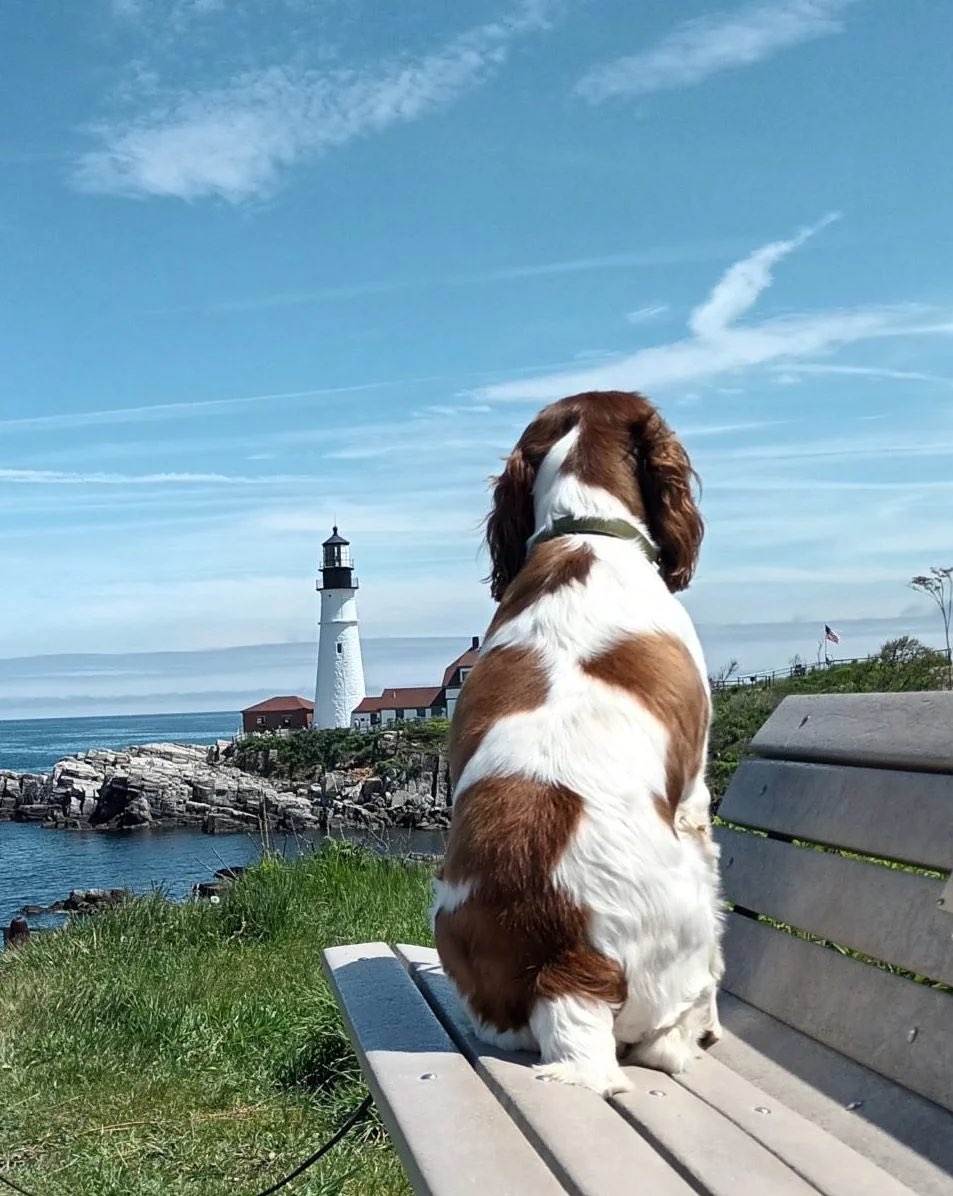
[577, 911]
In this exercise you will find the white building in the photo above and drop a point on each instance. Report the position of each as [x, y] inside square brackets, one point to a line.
[340, 681]
[422, 702]
[456, 673]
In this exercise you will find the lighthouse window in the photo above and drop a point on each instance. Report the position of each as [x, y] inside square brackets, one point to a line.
[340, 648]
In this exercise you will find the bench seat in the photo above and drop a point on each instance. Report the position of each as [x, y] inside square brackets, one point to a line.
[835, 1072]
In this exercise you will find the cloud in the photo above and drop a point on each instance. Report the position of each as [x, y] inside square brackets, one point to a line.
[55, 477]
[641, 315]
[869, 371]
[128, 9]
[154, 411]
[663, 255]
[235, 141]
[697, 49]
[718, 346]
[740, 285]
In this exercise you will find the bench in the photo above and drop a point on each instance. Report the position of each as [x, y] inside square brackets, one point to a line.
[835, 1072]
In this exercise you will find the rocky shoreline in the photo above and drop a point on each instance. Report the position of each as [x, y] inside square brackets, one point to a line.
[179, 785]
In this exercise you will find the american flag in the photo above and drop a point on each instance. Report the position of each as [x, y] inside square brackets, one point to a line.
[831, 634]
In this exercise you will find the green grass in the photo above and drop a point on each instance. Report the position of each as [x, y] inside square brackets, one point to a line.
[173, 1049]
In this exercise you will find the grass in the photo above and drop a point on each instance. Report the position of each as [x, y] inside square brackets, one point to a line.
[185, 1049]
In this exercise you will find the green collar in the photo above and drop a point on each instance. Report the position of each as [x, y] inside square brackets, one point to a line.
[618, 529]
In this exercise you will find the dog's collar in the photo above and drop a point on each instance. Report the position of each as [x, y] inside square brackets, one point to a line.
[618, 529]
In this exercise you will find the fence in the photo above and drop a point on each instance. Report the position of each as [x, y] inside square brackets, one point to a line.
[767, 678]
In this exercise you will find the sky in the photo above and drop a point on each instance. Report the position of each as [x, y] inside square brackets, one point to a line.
[270, 264]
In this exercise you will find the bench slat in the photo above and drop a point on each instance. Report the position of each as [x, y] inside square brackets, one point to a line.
[905, 1134]
[823, 1161]
[883, 912]
[890, 1024]
[903, 816]
[587, 1144]
[717, 1156]
[453, 1138]
[888, 730]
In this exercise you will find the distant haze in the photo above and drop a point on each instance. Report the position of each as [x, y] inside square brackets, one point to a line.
[230, 678]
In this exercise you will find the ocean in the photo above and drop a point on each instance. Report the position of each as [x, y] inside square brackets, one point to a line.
[38, 867]
[35, 744]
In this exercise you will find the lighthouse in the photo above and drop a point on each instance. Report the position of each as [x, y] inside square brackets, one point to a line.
[340, 681]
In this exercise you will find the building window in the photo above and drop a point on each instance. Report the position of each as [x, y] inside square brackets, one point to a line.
[260, 721]
[421, 712]
[464, 673]
[340, 647]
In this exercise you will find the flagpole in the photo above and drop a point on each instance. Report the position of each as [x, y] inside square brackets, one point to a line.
[827, 659]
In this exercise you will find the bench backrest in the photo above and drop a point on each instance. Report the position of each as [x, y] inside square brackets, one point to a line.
[863, 958]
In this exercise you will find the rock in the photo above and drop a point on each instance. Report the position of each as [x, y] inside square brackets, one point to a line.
[138, 812]
[17, 933]
[90, 900]
[31, 813]
[209, 888]
[219, 822]
[371, 788]
[75, 769]
[334, 783]
[230, 871]
[180, 785]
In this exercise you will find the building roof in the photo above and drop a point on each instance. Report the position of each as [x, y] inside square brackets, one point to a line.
[466, 661]
[279, 705]
[335, 538]
[422, 697]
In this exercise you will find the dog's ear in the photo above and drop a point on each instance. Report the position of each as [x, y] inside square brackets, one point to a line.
[667, 481]
[511, 521]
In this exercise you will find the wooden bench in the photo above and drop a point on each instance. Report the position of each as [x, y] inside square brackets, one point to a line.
[835, 1074]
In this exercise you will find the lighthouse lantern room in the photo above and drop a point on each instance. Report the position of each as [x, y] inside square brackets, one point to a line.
[340, 680]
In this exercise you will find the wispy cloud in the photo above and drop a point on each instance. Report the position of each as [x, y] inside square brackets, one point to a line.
[642, 315]
[662, 255]
[697, 49]
[167, 8]
[235, 141]
[56, 477]
[739, 287]
[870, 371]
[719, 346]
[184, 410]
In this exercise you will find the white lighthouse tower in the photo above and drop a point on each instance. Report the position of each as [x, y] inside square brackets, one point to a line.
[340, 682]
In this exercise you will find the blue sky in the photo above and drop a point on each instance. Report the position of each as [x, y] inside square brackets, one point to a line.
[268, 262]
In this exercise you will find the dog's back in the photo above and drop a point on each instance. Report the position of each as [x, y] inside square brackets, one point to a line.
[574, 910]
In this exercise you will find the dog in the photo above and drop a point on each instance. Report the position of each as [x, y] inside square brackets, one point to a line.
[577, 911]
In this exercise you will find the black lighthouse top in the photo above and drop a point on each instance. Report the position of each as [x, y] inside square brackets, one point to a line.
[337, 568]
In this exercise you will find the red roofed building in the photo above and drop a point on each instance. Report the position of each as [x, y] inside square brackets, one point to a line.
[399, 705]
[456, 674]
[278, 714]
[406, 705]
